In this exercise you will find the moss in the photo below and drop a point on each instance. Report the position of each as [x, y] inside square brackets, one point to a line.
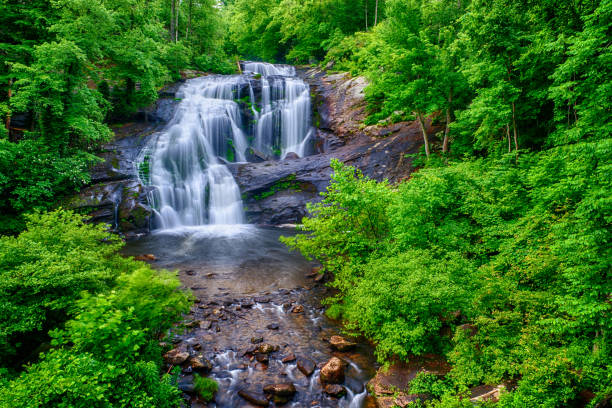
[287, 183]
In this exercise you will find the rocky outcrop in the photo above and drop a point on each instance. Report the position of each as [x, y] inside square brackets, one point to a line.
[391, 387]
[116, 195]
[276, 192]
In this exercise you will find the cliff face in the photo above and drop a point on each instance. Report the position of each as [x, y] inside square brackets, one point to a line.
[116, 195]
[274, 192]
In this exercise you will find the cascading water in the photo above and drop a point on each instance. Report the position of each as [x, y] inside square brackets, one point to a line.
[223, 119]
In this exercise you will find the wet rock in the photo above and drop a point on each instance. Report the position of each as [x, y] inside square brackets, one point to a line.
[281, 393]
[185, 384]
[298, 309]
[200, 364]
[291, 156]
[256, 340]
[190, 272]
[262, 358]
[267, 348]
[273, 326]
[255, 399]
[145, 257]
[341, 344]
[193, 324]
[206, 325]
[333, 371]
[306, 366]
[291, 357]
[335, 390]
[286, 306]
[247, 303]
[262, 299]
[391, 387]
[176, 356]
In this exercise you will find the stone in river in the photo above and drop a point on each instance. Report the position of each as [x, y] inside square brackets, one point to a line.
[289, 358]
[253, 398]
[335, 390]
[306, 366]
[176, 357]
[341, 344]
[333, 371]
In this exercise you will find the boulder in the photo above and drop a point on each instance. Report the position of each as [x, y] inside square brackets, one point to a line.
[200, 364]
[335, 390]
[176, 356]
[281, 393]
[306, 366]
[289, 358]
[266, 348]
[255, 399]
[282, 389]
[341, 344]
[333, 371]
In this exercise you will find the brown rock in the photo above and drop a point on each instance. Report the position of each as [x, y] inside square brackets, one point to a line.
[176, 356]
[281, 389]
[340, 343]
[333, 371]
[306, 366]
[335, 390]
[266, 348]
[289, 358]
[145, 257]
[200, 364]
[254, 399]
[298, 309]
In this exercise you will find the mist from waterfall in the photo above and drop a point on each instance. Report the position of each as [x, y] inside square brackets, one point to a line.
[261, 114]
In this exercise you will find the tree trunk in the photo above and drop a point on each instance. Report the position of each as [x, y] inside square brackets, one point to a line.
[176, 25]
[172, 8]
[425, 137]
[189, 20]
[376, 14]
[10, 95]
[515, 130]
[448, 120]
[366, 14]
[508, 137]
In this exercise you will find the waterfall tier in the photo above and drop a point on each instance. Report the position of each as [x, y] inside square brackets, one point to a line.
[262, 114]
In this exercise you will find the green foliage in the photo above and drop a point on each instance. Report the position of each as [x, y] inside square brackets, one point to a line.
[33, 177]
[107, 355]
[511, 259]
[205, 387]
[45, 269]
[286, 183]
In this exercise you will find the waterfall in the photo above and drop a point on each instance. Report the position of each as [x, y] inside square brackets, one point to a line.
[222, 119]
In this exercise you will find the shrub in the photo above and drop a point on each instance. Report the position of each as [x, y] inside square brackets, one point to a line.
[44, 270]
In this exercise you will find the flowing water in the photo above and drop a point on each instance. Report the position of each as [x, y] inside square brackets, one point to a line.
[247, 283]
[264, 112]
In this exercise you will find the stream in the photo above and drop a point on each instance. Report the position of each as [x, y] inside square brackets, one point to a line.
[251, 292]
[249, 285]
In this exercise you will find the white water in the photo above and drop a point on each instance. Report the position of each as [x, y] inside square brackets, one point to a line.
[193, 186]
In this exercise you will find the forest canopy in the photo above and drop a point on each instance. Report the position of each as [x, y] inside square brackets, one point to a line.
[496, 254]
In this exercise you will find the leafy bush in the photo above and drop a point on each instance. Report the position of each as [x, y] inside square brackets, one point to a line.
[108, 354]
[502, 265]
[34, 177]
[43, 272]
